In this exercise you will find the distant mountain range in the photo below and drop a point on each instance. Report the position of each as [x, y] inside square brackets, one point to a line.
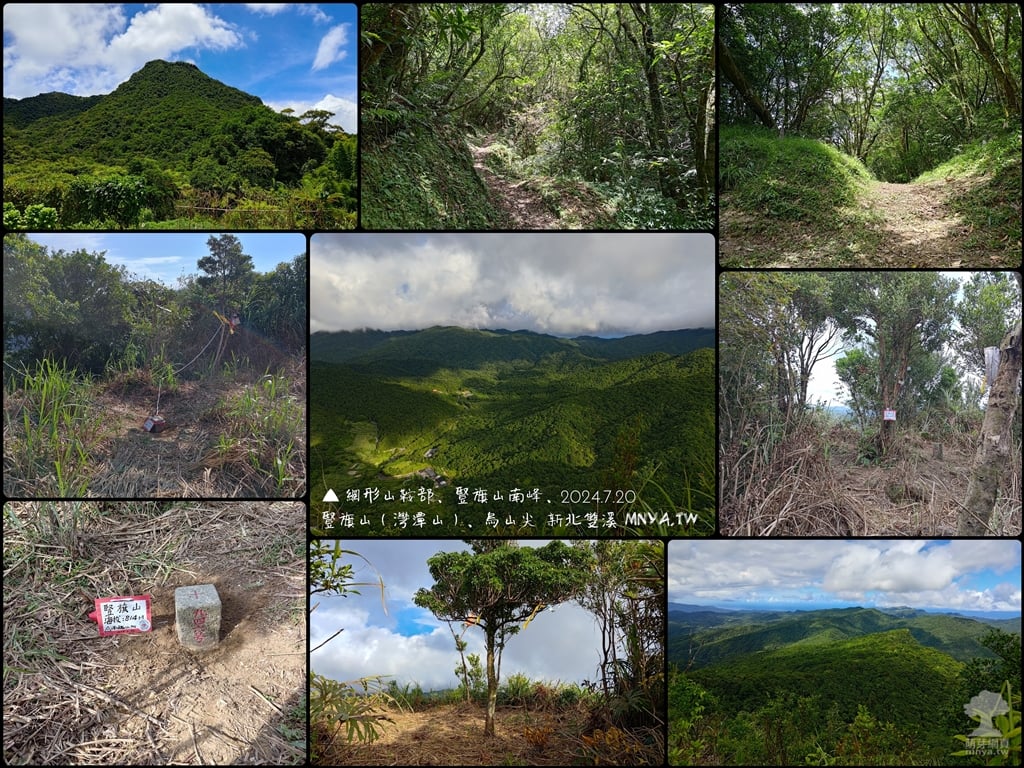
[702, 635]
[903, 610]
[456, 347]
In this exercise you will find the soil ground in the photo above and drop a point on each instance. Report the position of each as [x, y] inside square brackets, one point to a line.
[72, 697]
[917, 223]
[199, 454]
[523, 206]
[182, 460]
[453, 735]
[891, 226]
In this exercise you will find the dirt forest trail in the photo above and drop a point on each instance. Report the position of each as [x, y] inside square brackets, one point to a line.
[886, 226]
[536, 202]
[520, 205]
[917, 224]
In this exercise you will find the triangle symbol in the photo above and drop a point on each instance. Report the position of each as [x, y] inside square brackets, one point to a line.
[330, 495]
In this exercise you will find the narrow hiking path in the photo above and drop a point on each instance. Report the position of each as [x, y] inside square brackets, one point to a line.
[889, 225]
[917, 225]
[536, 202]
[519, 204]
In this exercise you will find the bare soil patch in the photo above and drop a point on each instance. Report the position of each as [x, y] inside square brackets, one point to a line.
[72, 697]
[918, 226]
[223, 438]
[453, 735]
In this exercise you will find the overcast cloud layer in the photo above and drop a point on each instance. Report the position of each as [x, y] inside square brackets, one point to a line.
[953, 575]
[560, 645]
[557, 283]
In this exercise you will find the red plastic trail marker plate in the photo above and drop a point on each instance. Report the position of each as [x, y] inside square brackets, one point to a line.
[154, 424]
[123, 615]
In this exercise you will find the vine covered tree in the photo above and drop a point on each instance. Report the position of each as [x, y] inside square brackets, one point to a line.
[499, 586]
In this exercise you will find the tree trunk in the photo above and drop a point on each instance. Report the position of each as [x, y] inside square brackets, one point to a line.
[993, 454]
[735, 76]
[968, 17]
[492, 684]
[705, 143]
[657, 136]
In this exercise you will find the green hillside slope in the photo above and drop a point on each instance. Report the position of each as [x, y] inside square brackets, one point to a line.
[172, 141]
[897, 676]
[21, 112]
[521, 411]
[162, 111]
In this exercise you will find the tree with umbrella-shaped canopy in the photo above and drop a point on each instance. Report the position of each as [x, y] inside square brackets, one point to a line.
[502, 585]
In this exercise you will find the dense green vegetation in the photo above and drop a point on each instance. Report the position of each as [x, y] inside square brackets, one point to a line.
[834, 687]
[173, 148]
[501, 411]
[605, 112]
[703, 639]
[77, 309]
[90, 351]
[823, 105]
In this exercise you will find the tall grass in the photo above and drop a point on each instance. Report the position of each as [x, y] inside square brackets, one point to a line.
[270, 419]
[48, 427]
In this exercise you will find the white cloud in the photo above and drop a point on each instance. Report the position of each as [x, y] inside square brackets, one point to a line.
[267, 9]
[551, 283]
[883, 573]
[332, 47]
[273, 9]
[91, 49]
[559, 645]
[346, 111]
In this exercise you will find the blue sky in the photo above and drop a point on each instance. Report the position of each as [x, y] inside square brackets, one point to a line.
[410, 644]
[167, 256]
[294, 55]
[960, 575]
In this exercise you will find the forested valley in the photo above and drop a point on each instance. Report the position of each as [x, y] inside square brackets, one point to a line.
[870, 134]
[627, 424]
[118, 385]
[920, 373]
[172, 148]
[537, 116]
[850, 686]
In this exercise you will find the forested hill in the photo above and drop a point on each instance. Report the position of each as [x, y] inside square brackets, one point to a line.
[21, 112]
[174, 148]
[704, 638]
[884, 671]
[455, 407]
[161, 111]
[454, 347]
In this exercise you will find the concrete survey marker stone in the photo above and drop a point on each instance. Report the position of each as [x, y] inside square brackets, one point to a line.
[197, 616]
